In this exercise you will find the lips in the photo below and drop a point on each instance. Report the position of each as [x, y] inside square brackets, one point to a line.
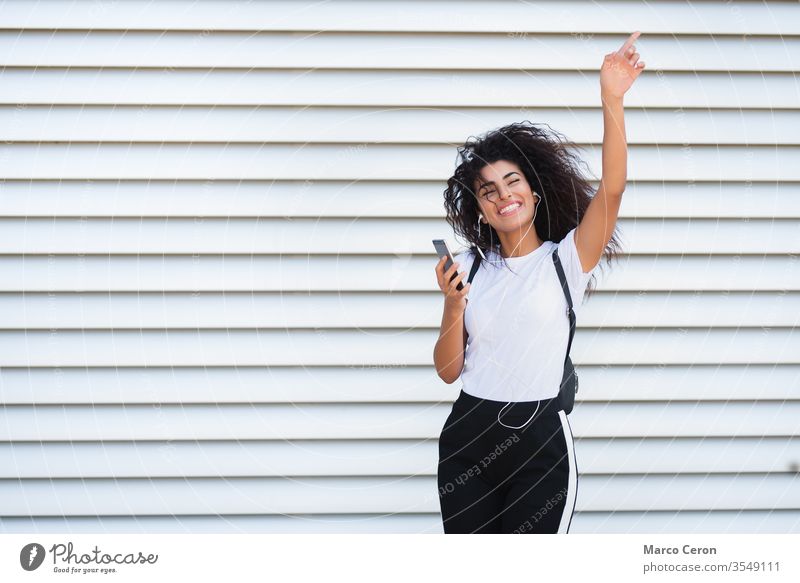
[513, 208]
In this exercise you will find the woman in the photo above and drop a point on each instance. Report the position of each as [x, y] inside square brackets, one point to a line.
[506, 452]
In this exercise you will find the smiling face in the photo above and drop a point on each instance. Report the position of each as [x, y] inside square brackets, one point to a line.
[505, 197]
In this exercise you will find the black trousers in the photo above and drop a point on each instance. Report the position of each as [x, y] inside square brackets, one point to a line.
[495, 479]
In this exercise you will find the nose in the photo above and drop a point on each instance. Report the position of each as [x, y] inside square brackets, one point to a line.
[503, 193]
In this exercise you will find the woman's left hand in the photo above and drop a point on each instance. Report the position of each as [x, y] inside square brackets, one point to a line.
[620, 69]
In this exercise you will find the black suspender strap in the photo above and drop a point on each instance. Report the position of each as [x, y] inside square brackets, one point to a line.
[475, 265]
[565, 289]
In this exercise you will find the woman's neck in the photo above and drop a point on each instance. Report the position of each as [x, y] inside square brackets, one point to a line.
[514, 244]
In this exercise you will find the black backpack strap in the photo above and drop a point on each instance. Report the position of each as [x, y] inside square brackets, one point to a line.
[476, 263]
[565, 289]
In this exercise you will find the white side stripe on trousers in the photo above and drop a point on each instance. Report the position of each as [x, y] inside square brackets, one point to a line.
[572, 484]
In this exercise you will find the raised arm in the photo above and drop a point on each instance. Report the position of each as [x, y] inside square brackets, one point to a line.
[618, 72]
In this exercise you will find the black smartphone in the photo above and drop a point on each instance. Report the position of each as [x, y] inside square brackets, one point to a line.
[443, 249]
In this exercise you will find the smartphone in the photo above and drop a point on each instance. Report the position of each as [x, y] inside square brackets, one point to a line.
[443, 249]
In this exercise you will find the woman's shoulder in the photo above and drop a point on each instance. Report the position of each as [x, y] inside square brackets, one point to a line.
[464, 258]
[464, 253]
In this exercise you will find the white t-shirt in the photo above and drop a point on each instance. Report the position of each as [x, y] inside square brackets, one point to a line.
[517, 322]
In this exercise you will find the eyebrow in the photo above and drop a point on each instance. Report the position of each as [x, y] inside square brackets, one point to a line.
[492, 181]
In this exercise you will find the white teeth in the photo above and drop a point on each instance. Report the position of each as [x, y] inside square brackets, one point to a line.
[509, 208]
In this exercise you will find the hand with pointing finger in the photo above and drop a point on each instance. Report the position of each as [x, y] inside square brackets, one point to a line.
[620, 69]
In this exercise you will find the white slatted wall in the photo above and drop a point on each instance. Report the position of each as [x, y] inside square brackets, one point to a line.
[218, 301]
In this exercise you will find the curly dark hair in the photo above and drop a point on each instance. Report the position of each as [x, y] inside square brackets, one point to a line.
[549, 166]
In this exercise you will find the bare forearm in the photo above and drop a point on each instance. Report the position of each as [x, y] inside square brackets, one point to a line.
[615, 145]
[448, 355]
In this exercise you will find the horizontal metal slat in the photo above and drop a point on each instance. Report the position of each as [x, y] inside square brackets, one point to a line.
[388, 348]
[397, 272]
[377, 421]
[702, 309]
[689, 521]
[670, 18]
[210, 49]
[329, 199]
[312, 162]
[367, 236]
[282, 458]
[398, 494]
[399, 88]
[238, 524]
[360, 125]
[377, 384]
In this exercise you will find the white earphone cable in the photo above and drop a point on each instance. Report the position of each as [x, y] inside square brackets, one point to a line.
[480, 216]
